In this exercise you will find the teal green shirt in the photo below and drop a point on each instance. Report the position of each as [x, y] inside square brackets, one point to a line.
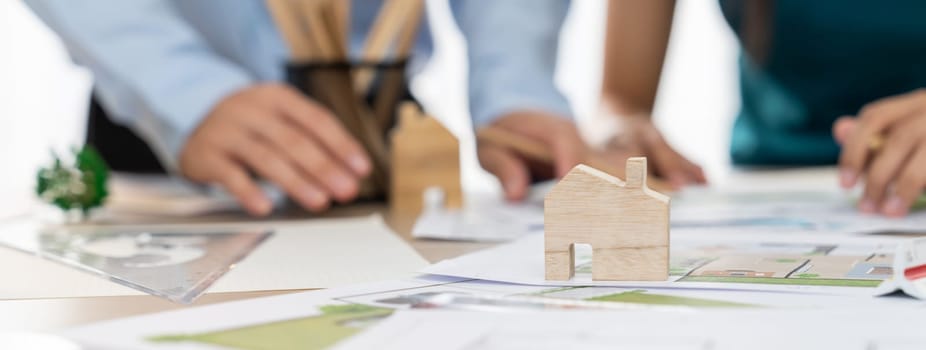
[826, 59]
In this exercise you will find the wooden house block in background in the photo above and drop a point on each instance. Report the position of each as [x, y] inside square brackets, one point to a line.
[424, 154]
[626, 223]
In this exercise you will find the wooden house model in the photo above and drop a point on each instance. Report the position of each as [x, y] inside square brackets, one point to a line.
[626, 224]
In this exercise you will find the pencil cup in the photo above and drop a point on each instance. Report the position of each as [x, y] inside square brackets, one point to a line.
[368, 118]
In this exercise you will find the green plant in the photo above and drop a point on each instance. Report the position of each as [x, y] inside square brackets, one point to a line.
[78, 186]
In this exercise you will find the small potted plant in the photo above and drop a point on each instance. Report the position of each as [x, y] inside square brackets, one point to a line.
[75, 187]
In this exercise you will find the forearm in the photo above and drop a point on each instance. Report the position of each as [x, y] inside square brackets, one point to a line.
[635, 47]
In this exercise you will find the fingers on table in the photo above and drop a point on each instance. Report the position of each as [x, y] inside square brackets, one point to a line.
[235, 179]
[874, 120]
[672, 165]
[207, 159]
[324, 127]
[561, 136]
[309, 156]
[270, 164]
[304, 149]
[212, 162]
[251, 143]
[893, 168]
[909, 185]
[843, 128]
[896, 177]
[568, 149]
[510, 170]
[885, 167]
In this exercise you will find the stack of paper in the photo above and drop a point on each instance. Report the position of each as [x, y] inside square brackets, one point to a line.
[832, 264]
[327, 317]
[750, 268]
[892, 329]
[483, 217]
[300, 255]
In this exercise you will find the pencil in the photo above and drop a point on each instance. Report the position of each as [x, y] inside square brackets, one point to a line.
[289, 25]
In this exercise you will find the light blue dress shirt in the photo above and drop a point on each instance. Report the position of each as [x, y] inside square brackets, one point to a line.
[161, 65]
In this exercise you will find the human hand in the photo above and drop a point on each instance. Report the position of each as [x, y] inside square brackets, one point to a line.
[514, 170]
[885, 145]
[555, 147]
[639, 137]
[273, 131]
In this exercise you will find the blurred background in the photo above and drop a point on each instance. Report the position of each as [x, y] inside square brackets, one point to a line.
[44, 97]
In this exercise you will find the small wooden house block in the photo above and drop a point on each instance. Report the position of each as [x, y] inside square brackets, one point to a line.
[424, 154]
[626, 223]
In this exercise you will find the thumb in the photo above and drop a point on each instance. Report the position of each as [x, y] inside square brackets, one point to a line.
[843, 129]
[510, 170]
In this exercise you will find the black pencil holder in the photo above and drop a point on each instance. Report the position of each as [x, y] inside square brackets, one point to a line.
[332, 85]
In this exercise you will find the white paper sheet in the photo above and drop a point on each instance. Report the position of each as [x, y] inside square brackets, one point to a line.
[300, 255]
[792, 201]
[483, 217]
[522, 262]
[386, 295]
[788, 200]
[878, 329]
[784, 210]
[231, 322]
[481, 220]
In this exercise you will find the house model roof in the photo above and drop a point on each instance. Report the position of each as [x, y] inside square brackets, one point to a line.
[633, 168]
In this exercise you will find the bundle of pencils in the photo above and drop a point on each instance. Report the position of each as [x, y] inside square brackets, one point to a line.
[315, 30]
[318, 33]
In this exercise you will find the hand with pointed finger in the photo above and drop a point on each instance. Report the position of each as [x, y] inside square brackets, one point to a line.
[639, 134]
[274, 132]
[514, 171]
[886, 146]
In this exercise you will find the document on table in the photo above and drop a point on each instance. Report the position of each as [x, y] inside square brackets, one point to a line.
[771, 262]
[881, 329]
[480, 220]
[483, 217]
[326, 317]
[301, 254]
[790, 207]
[784, 210]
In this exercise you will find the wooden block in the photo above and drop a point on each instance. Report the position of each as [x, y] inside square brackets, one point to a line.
[424, 154]
[537, 151]
[559, 262]
[626, 223]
